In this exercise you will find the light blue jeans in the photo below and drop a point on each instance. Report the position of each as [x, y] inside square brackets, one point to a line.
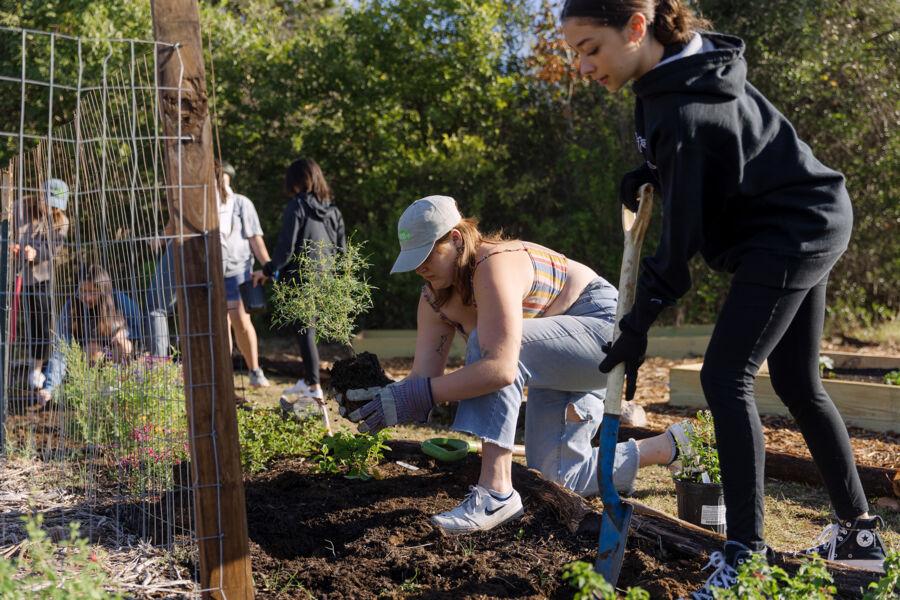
[558, 362]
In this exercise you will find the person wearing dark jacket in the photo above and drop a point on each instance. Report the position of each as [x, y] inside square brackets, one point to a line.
[310, 223]
[739, 187]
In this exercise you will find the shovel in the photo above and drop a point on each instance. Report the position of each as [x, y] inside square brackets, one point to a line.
[617, 513]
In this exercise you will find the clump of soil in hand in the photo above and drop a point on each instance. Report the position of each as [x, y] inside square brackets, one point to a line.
[358, 372]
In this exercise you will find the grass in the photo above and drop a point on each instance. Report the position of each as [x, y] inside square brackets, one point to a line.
[795, 513]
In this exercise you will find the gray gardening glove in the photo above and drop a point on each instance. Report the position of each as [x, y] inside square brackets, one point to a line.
[407, 401]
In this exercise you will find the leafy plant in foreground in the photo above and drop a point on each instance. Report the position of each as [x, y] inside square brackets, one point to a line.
[264, 435]
[892, 378]
[590, 585]
[888, 586]
[357, 454]
[705, 456]
[45, 571]
[329, 291]
[757, 580]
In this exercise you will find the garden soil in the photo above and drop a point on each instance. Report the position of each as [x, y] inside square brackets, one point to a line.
[339, 538]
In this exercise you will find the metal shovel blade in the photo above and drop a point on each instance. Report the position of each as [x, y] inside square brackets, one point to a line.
[616, 513]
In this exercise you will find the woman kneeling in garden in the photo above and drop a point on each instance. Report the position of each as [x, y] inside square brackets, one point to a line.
[531, 317]
[104, 321]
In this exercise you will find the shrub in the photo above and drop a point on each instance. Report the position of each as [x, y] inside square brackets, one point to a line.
[355, 454]
[265, 435]
[47, 572]
[133, 413]
[329, 292]
[705, 457]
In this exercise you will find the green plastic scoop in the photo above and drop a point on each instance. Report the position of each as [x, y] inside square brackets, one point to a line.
[447, 449]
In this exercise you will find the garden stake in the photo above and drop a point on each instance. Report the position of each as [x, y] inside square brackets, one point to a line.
[616, 512]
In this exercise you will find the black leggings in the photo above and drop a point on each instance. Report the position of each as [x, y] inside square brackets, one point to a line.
[785, 327]
[310, 354]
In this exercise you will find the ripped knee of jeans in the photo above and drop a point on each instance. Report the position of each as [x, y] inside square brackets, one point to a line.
[574, 414]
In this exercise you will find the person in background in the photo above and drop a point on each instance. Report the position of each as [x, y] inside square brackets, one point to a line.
[739, 187]
[531, 317]
[104, 321]
[41, 235]
[242, 239]
[310, 222]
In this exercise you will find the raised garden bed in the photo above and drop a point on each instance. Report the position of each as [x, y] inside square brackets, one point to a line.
[862, 403]
[329, 537]
[668, 342]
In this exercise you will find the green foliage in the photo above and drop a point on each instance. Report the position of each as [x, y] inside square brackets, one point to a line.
[705, 456]
[329, 292]
[356, 454]
[892, 378]
[398, 99]
[757, 580]
[134, 414]
[265, 435]
[45, 571]
[888, 587]
[590, 585]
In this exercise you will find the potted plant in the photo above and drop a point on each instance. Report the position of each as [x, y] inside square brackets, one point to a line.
[698, 481]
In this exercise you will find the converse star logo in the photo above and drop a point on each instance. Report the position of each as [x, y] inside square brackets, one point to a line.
[864, 539]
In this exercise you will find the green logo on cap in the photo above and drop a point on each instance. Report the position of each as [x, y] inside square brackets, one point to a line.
[404, 235]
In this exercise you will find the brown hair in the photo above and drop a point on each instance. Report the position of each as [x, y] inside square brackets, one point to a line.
[466, 260]
[672, 21]
[105, 315]
[40, 214]
[305, 176]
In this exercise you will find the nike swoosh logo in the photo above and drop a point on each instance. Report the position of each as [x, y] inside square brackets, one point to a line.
[489, 512]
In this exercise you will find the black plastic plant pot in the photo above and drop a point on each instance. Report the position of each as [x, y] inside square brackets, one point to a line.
[702, 504]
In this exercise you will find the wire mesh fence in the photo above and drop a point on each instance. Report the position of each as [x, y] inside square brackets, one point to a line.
[91, 375]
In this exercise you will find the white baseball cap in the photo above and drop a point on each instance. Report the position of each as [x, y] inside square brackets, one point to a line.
[422, 224]
[57, 193]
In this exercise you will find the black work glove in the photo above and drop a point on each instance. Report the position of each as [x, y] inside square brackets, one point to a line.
[631, 183]
[629, 348]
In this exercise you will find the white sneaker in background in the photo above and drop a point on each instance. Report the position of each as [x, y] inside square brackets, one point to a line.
[480, 511]
[36, 379]
[258, 379]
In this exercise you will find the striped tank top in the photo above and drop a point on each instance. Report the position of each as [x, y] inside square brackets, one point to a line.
[550, 273]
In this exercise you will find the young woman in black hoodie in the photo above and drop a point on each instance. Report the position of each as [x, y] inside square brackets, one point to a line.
[739, 187]
[310, 222]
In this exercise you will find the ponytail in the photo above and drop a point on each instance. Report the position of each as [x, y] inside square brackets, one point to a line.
[674, 22]
[671, 21]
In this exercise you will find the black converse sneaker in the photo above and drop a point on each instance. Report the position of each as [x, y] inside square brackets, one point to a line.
[853, 543]
[726, 566]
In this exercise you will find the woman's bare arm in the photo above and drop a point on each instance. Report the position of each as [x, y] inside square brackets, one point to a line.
[498, 293]
[433, 340]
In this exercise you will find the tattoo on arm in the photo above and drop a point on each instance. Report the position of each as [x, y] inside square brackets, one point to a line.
[440, 348]
[485, 353]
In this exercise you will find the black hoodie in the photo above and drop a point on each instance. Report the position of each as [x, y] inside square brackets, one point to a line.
[306, 220]
[737, 184]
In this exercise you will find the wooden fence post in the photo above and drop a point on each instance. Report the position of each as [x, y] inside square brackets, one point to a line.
[221, 518]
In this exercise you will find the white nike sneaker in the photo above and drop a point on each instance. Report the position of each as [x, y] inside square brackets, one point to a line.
[479, 512]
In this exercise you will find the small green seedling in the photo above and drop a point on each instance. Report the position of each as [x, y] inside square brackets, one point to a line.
[888, 587]
[46, 571]
[265, 436]
[329, 292]
[590, 585]
[703, 464]
[356, 454]
[892, 378]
